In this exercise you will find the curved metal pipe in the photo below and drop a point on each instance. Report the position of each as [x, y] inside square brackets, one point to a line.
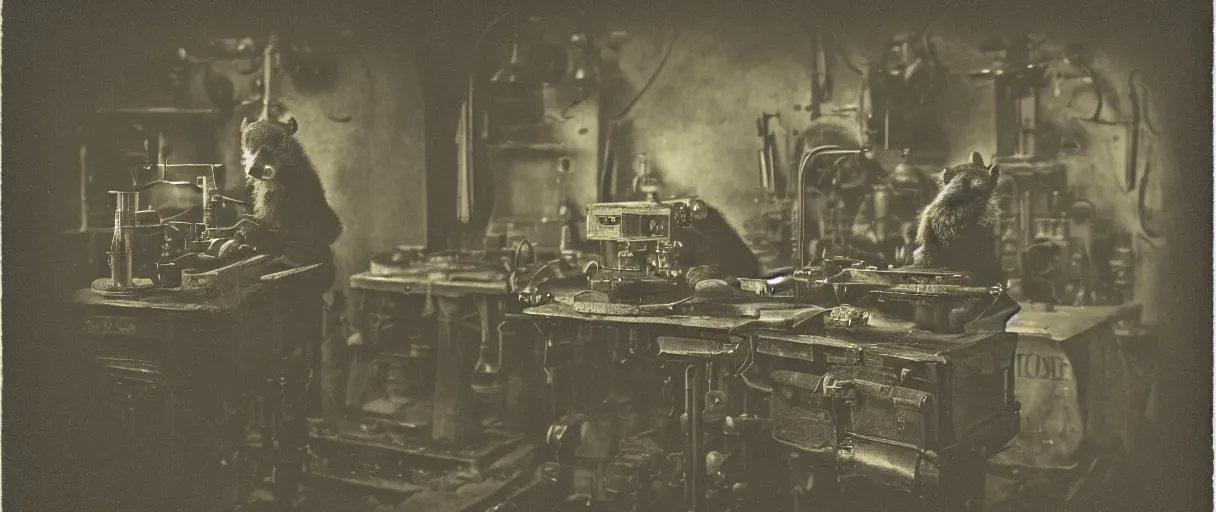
[802, 167]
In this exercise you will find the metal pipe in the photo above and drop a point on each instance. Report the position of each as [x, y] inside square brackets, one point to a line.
[268, 71]
[84, 189]
[802, 167]
[694, 477]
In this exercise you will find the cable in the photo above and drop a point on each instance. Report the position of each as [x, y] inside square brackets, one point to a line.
[657, 70]
[1142, 107]
[1148, 233]
[840, 53]
[1096, 118]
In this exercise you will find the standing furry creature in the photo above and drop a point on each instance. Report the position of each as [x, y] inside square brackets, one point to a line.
[291, 213]
[957, 230]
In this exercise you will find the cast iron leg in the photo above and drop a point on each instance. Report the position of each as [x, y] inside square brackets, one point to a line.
[452, 400]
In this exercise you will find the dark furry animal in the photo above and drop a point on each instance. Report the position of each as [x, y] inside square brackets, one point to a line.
[289, 207]
[713, 241]
[957, 230]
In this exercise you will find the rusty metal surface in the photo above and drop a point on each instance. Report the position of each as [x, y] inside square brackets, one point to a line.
[748, 314]
[170, 299]
[885, 337]
[423, 284]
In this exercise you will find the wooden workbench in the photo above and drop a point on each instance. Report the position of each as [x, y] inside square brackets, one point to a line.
[191, 380]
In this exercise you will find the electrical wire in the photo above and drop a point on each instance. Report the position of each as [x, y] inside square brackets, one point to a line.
[1142, 107]
[657, 71]
[1096, 118]
[609, 161]
[836, 48]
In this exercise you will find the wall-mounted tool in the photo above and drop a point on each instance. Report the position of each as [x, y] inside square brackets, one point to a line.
[769, 161]
[821, 76]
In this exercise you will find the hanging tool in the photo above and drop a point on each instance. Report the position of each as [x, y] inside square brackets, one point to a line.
[768, 152]
[821, 78]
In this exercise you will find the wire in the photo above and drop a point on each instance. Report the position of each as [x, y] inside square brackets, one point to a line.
[1143, 107]
[657, 71]
[1097, 115]
[836, 48]
[178, 214]
[1148, 233]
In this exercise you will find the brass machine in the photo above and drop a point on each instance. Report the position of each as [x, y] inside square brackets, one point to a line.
[778, 395]
[648, 252]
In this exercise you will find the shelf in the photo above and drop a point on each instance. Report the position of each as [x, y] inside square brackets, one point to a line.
[545, 147]
[158, 111]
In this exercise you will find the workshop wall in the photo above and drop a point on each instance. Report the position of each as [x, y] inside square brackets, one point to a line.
[731, 63]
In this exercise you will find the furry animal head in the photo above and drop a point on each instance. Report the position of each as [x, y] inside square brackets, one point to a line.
[267, 148]
[972, 179]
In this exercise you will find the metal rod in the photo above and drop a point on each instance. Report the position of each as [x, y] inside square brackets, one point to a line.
[695, 386]
[802, 167]
[267, 71]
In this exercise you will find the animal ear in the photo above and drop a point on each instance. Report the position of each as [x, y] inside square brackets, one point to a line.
[977, 159]
[244, 123]
[292, 126]
[945, 176]
[995, 170]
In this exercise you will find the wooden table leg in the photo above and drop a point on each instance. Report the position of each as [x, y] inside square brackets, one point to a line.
[452, 398]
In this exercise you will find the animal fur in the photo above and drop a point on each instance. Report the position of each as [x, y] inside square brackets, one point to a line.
[714, 242]
[289, 206]
[957, 230]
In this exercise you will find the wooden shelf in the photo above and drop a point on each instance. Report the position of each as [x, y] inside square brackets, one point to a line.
[158, 111]
[540, 147]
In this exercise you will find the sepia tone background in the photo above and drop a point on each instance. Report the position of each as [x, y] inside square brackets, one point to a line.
[389, 170]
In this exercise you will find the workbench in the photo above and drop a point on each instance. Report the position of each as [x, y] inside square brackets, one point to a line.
[205, 393]
[967, 377]
[432, 443]
[1083, 378]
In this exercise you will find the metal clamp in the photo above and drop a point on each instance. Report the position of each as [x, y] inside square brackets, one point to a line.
[833, 388]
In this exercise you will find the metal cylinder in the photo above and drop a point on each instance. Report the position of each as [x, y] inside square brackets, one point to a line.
[210, 195]
[765, 170]
[695, 387]
[882, 207]
[123, 242]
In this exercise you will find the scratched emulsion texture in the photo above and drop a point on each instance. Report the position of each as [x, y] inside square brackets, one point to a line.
[730, 64]
[372, 167]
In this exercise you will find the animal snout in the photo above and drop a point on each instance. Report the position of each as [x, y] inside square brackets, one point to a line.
[261, 172]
